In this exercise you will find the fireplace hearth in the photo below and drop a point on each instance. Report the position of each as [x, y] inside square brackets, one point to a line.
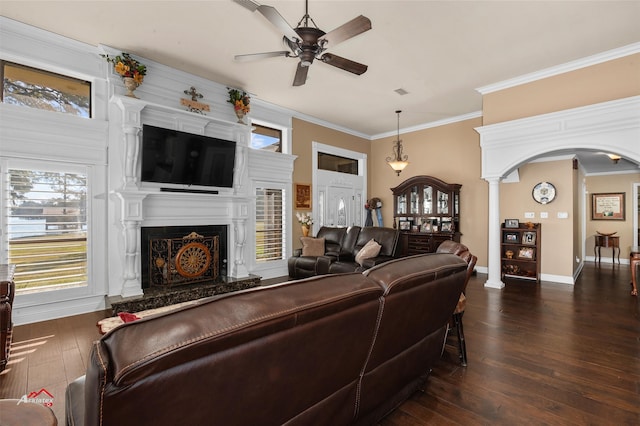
[200, 269]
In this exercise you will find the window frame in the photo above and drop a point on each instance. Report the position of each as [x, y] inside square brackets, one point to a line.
[64, 294]
[46, 72]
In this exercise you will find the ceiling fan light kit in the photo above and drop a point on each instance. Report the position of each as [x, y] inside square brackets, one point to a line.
[308, 42]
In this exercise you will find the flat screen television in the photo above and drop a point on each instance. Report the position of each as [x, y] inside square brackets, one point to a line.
[179, 158]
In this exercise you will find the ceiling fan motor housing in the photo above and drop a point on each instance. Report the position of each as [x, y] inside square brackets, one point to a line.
[309, 44]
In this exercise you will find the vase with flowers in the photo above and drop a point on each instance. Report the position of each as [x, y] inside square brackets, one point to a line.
[305, 220]
[131, 70]
[240, 101]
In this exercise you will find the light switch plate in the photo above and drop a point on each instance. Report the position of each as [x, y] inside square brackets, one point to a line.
[563, 215]
[544, 215]
[529, 215]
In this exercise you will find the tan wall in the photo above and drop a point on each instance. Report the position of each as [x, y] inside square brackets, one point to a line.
[555, 234]
[450, 153]
[611, 80]
[303, 135]
[624, 229]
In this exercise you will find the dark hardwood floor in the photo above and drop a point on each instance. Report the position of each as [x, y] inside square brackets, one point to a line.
[538, 354]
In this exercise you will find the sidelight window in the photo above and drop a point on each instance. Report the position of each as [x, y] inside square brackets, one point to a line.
[269, 224]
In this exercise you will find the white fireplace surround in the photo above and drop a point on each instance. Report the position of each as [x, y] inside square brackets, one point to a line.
[140, 204]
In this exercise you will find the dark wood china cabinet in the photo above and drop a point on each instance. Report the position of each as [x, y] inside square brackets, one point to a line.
[427, 212]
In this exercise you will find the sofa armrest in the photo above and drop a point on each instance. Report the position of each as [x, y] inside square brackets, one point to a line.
[370, 263]
[74, 402]
[323, 263]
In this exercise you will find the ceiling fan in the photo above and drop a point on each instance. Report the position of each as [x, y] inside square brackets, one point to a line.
[308, 42]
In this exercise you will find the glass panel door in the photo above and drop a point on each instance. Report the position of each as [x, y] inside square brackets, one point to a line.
[427, 202]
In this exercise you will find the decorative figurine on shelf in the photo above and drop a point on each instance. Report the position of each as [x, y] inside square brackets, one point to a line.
[240, 101]
[193, 105]
[131, 71]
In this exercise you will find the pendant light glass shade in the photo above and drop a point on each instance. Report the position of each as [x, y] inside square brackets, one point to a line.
[399, 160]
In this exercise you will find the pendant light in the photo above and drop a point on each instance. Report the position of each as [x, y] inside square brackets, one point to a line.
[399, 160]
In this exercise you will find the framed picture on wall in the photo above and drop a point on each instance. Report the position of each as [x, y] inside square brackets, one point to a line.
[607, 206]
[303, 196]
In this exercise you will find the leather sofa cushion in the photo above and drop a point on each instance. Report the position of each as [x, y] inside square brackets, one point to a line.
[312, 246]
[371, 249]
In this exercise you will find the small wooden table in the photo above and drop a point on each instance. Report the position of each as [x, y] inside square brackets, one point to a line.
[607, 241]
[634, 262]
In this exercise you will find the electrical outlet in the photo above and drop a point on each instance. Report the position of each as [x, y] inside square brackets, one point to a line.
[544, 215]
[529, 215]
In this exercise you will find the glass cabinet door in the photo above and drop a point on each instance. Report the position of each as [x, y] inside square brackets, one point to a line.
[427, 194]
[415, 209]
[443, 203]
[402, 204]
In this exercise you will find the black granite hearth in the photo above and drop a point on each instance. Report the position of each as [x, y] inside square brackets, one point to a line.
[159, 297]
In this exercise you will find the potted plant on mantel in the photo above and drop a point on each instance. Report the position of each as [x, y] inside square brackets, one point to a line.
[240, 101]
[131, 70]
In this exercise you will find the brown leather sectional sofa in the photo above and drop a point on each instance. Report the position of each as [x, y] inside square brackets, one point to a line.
[341, 247]
[329, 350]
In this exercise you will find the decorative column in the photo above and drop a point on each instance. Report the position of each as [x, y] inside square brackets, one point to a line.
[493, 255]
[131, 220]
[131, 125]
[239, 269]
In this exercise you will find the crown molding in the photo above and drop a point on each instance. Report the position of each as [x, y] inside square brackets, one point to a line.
[432, 124]
[599, 58]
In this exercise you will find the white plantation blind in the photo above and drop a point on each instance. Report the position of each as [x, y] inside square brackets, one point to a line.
[269, 224]
[46, 228]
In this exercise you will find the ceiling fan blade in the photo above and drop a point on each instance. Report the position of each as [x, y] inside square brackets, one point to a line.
[278, 21]
[251, 56]
[301, 75]
[249, 4]
[343, 63]
[346, 31]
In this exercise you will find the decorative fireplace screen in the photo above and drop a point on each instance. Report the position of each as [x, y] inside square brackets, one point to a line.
[190, 259]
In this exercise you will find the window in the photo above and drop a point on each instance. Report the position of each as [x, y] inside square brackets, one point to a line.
[335, 163]
[34, 88]
[266, 138]
[269, 224]
[46, 228]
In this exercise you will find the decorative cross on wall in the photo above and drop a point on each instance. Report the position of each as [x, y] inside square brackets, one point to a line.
[193, 105]
[193, 93]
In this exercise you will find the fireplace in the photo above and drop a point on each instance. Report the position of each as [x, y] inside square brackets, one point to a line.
[181, 255]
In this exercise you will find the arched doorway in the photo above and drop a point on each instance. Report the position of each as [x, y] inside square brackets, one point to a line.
[612, 126]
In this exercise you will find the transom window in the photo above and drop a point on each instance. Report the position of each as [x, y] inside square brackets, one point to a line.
[266, 138]
[335, 163]
[35, 88]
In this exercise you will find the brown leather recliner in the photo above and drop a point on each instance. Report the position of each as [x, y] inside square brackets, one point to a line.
[335, 349]
[341, 247]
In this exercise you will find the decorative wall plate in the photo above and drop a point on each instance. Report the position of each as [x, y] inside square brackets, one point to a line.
[544, 192]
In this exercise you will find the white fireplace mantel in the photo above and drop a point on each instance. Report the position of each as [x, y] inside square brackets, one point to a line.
[141, 205]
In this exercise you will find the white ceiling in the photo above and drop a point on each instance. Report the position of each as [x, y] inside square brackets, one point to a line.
[438, 51]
